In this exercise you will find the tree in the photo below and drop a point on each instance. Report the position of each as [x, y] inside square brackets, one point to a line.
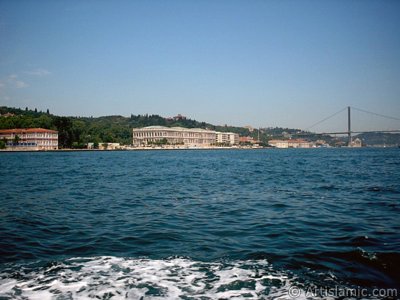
[2, 144]
[48, 112]
[16, 139]
[44, 121]
[163, 141]
[65, 131]
[77, 145]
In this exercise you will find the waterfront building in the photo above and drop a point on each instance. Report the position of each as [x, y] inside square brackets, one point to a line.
[295, 143]
[158, 135]
[30, 139]
[104, 146]
[109, 146]
[228, 138]
[247, 140]
[356, 143]
[321, 144]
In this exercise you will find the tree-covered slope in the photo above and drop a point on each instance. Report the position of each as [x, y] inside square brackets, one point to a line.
[76, 132]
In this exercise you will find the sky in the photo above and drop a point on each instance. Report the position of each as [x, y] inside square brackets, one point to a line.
[260, 63]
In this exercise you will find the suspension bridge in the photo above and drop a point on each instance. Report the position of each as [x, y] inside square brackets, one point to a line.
[349, 132]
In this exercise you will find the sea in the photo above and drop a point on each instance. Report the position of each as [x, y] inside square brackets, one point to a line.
[201, 224]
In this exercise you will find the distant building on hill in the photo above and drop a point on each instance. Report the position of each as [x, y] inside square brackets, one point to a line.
[160, 135]
[8, 114]
[30, 139]
[179, 117]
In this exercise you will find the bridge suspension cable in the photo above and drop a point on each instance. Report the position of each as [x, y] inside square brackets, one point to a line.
[376, 114]
[325, 119]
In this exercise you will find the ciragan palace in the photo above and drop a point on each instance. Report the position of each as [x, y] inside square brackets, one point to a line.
[192, 137]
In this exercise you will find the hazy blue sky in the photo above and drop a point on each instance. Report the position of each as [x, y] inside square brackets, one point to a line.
[263, 63]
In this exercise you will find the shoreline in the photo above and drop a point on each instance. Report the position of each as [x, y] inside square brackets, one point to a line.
[138, 149]
[183, 149]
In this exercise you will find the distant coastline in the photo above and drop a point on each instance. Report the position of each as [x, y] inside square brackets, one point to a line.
[190, 149]
[78, 132]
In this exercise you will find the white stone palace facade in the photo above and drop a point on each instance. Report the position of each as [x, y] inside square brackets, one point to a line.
[290, 144]
[192, 137]
[30, 139]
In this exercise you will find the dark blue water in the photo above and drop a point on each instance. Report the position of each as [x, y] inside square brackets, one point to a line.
[198, 224]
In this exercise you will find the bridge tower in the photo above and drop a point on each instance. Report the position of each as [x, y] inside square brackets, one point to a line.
[349, 126]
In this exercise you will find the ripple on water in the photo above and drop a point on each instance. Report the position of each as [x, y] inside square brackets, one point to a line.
[107, 277]
[331, 210]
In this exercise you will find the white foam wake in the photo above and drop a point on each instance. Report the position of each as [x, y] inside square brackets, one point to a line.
[123, 278]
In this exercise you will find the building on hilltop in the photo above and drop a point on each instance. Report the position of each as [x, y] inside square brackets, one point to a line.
[30, 139]
[179, 117]
[159, 135]
[8, 114]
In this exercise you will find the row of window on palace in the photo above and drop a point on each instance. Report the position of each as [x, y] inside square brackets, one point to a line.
[35, 135]
[34, 143]
[162, 134]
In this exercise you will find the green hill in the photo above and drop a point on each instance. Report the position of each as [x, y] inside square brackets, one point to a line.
[380, 139]
[76, 132]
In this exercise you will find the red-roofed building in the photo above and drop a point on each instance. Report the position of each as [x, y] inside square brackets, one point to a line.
[30, 138]
[247, 140]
